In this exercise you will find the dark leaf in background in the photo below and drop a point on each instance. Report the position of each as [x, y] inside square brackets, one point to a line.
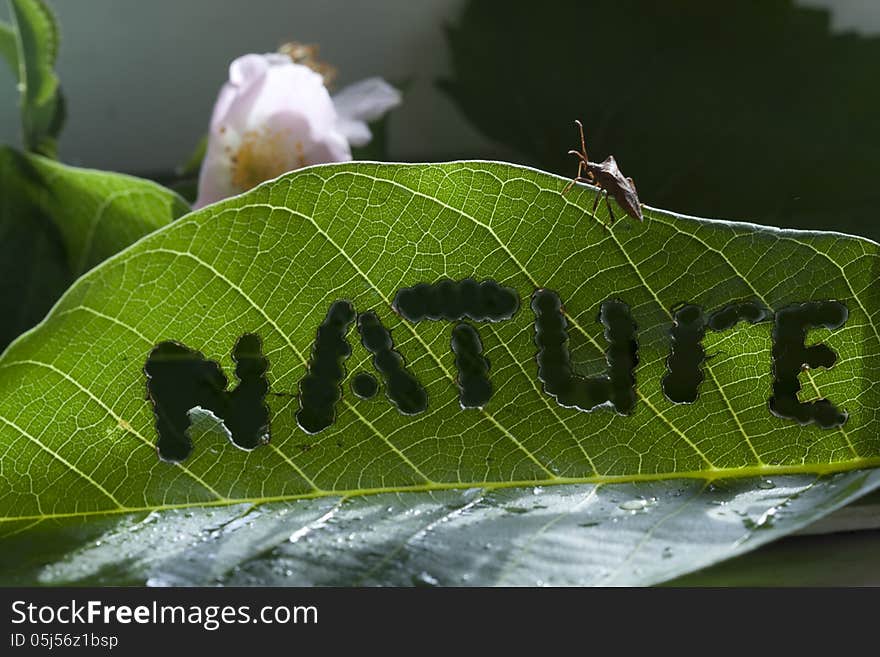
[377, 148]
[754, 111]
[33, 268]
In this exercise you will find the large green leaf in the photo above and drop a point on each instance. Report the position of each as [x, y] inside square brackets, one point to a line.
[57, 221]
[79, 462]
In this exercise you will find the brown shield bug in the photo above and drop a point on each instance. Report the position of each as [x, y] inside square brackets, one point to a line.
[608, 178]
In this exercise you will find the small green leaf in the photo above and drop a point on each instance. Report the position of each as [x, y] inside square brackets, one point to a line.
[57, 221]
[519, 490]
[42, 109]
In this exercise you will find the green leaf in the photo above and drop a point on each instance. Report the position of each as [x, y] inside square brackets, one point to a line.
[57, 221]
[79, 438]
[42, 108]
[708, 109]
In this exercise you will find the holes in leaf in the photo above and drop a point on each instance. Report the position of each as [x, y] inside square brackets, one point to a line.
[180, 379]
[734, 313]
[401, 387]
[246, 415]
[321, 388]
[474, 387]
[791, 357]
[684, 366]
[449, 300]
[684, 371]
[554, 360]
[364, 385]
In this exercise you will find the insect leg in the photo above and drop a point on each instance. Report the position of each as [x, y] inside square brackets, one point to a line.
[578, 178]
[575, 180]
[610, 211]
[596, 202]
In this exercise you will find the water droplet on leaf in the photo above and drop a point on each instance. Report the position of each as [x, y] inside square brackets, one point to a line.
[425, 579]
[764, 521]
[516, 509]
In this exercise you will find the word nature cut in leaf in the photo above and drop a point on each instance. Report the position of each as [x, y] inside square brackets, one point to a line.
[449, 373]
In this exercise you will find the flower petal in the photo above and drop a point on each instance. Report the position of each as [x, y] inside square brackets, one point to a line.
[246, 76]
[215, 179]
[366, 100]
[356, 132]
[294, 88]
[246, 69]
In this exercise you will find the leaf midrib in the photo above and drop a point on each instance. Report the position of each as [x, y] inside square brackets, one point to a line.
[709, 476]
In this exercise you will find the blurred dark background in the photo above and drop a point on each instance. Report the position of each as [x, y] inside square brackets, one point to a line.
[752, 109]
[760, 110]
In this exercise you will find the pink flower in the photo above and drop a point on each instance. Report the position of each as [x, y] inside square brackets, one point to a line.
[273, 116]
